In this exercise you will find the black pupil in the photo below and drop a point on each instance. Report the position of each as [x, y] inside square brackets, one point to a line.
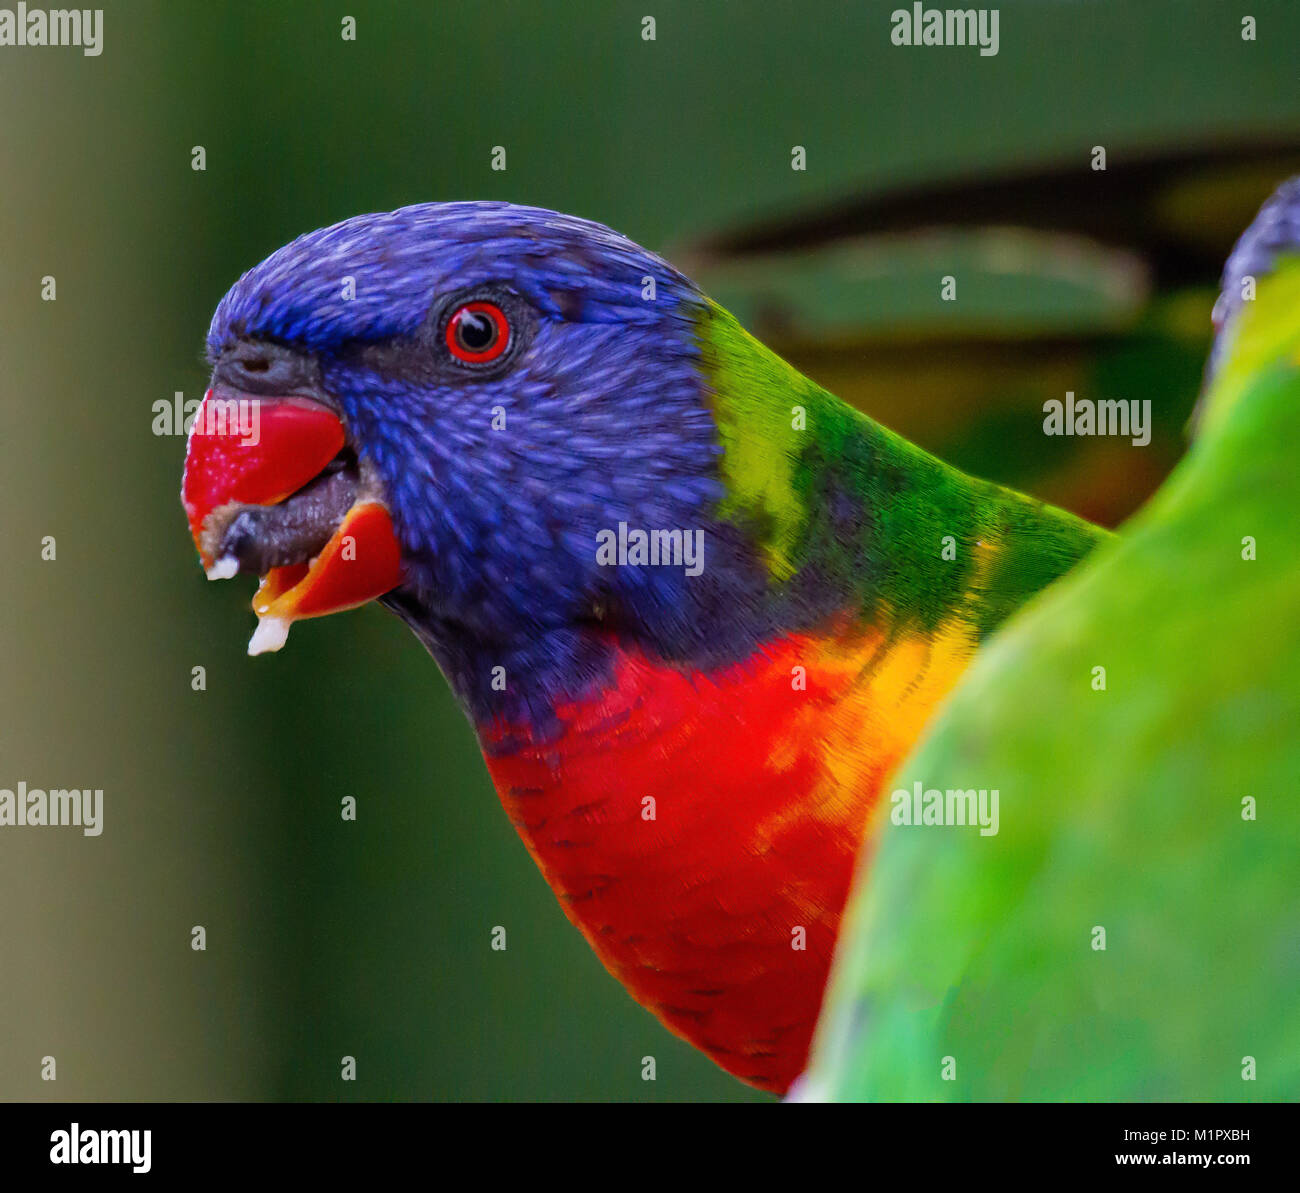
[476, 331]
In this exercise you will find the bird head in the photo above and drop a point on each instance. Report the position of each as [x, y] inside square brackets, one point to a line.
[1255, 316]
[442, 407]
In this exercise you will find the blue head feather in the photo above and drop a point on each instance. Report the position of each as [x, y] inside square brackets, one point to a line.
[1273, 232]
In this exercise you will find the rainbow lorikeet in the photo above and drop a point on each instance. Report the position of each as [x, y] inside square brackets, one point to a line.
[1131, 931]
[696, 608]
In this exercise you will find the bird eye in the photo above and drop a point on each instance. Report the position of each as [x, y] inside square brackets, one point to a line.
[477, 332]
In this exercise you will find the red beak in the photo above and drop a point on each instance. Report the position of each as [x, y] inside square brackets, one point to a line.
[247, 450]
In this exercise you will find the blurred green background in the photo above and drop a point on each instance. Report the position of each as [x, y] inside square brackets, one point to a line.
[372, 939]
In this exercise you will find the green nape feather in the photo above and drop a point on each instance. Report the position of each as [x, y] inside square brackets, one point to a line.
[827, 492]
[1160, 810]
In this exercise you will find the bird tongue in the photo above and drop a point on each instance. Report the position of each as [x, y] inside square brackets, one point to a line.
[256, 491]
[361, 561]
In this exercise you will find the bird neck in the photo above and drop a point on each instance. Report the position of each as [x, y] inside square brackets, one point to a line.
[829, 525]
[846, 514]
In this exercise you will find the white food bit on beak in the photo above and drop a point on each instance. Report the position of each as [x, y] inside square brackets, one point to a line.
[226, 568]
[270, 635]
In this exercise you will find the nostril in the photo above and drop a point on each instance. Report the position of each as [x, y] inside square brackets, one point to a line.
[265, 368]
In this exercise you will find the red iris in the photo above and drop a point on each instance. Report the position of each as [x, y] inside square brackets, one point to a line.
[478, 332]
